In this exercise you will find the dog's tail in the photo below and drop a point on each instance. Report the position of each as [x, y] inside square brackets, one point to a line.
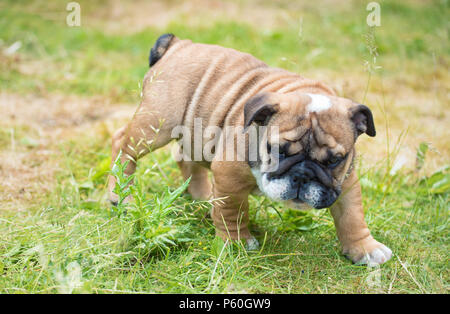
[160, 48]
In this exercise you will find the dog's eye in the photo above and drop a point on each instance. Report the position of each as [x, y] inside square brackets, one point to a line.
[334, 161]
[284, 149]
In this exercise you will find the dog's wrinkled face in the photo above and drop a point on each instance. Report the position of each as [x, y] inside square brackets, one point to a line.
[316, 137]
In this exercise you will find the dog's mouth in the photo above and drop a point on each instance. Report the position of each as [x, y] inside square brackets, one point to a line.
[315, 195]
[301, 182]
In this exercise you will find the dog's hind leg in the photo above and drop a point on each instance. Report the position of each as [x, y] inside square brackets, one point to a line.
[147, 131]
[200, 186]
[117, 141]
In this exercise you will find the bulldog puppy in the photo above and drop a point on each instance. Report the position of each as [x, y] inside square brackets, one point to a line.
[317, 131]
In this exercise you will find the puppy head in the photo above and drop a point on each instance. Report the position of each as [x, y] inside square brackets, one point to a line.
[316, 137]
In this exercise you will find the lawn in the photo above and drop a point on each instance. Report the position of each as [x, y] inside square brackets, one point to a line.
[65, 90]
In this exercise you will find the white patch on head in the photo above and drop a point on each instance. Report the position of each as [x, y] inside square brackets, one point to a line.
[274, 188]
[318, 103]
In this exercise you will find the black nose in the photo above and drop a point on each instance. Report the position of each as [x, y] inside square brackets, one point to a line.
[285, 164]
[308, 170]
[302, 174]
[302, 177]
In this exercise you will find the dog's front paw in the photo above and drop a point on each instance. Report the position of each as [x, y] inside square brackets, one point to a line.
[376, 257]
[371, 254]
[114, 199]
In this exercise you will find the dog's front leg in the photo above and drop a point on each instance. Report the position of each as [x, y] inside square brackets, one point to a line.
[231, 186]
[353, 233]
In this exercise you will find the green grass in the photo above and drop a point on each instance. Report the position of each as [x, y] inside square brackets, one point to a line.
[300, 252]
[71, 240]
[97, 62]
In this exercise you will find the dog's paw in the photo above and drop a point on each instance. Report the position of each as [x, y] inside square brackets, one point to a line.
[378, 256]
[370, 253]
[114, 199]
[252, 244]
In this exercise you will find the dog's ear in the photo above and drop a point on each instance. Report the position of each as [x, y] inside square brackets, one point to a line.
[363, 120]
[259, 109]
